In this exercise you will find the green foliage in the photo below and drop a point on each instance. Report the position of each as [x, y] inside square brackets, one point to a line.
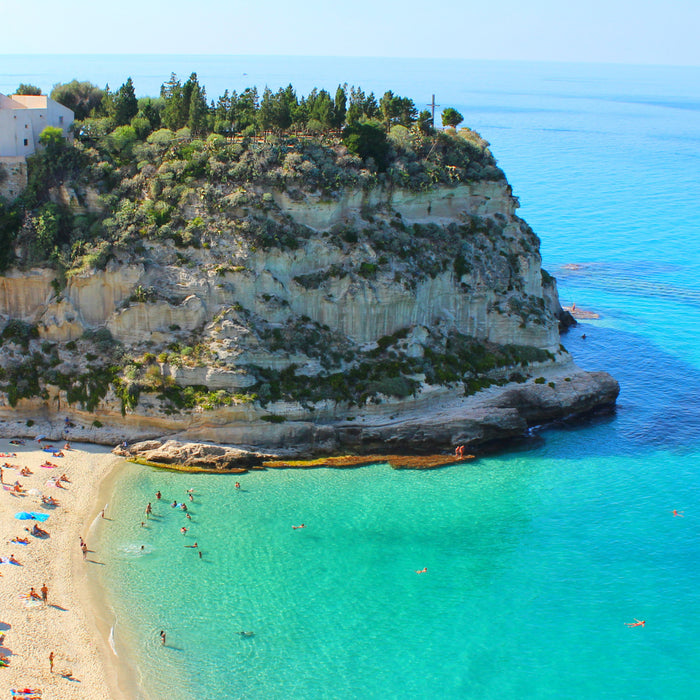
[19, 332]
[367, 141]
[10, 222]
[27, 89]
[82, 97]
[124, 105]
[51, 138]
[272, 418]
[451, 117]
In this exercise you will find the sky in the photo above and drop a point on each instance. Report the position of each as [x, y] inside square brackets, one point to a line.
[661, 32]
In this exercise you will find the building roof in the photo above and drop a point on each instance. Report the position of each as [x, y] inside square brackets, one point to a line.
[23, 102]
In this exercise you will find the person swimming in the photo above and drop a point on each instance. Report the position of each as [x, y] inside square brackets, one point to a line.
[636, 623]
[298, 527]
[422, 571]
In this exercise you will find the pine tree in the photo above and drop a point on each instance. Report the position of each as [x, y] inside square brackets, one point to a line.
[126, 106]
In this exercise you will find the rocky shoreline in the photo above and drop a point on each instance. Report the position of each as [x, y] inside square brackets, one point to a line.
[492, 417]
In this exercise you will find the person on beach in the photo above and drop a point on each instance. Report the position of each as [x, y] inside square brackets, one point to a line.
[51, 662]
[84, 549]
[37, 531]
[44, 593]
[636, 623]
[12, 560]
[102, 512]
[162, 637]
[149, 510]
[33, 595]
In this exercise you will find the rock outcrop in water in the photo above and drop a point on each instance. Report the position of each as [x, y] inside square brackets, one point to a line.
[295, 318]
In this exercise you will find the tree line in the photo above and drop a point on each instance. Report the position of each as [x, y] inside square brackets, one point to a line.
[185, 104]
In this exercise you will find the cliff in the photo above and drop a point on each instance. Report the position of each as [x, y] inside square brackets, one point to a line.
[291, 317]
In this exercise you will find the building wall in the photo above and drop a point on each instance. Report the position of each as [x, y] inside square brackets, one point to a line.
[24, 117]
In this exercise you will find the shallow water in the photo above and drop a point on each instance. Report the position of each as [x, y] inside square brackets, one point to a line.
[537, 557]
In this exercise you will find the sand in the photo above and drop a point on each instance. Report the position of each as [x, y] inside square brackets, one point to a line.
[66, 624]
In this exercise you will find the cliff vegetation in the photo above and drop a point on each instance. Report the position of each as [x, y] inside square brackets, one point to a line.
[263, 260]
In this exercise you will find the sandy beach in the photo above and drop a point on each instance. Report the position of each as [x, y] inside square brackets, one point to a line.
[64, 624]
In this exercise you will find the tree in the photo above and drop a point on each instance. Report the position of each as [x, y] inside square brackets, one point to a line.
[174, 115]
[81, 97]
[424, 123]
[367, 140]
[451, 117]
[195, 106]
[27, 89]
[51, 138]
[125, 104]
[339, 107]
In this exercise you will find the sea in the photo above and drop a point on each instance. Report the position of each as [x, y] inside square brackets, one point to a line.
[534, 560]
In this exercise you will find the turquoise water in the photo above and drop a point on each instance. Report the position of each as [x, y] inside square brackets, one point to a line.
[536, 557]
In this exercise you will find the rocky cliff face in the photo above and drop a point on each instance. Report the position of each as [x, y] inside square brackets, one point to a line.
[389, 304]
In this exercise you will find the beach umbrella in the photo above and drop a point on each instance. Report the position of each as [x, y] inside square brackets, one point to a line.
[34, 492]
[39, 516]
[23, 515]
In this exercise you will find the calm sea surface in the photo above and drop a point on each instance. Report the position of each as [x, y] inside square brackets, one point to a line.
[536, 558]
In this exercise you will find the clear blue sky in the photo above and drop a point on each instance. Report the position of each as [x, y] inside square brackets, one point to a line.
[615, 31]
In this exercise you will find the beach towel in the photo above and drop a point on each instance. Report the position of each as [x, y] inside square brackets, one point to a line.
[41, 517]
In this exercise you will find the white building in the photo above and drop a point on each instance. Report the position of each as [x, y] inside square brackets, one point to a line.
[24, 117]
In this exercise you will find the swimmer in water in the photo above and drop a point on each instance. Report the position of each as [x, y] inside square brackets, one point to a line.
[159, 495]
[636, 623]
[247, 634]
[162, 637]
[678, 513]
[238, 485]
[422, 571]
[183, 530]
[298, 527]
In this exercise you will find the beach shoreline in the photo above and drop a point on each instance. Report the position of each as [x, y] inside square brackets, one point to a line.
[66, 624]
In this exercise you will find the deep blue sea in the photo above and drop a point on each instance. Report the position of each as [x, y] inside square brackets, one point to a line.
[537, 557]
